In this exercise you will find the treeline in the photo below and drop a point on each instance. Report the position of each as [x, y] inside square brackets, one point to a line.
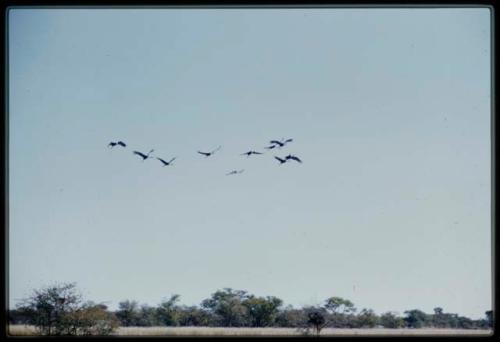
[225, 308]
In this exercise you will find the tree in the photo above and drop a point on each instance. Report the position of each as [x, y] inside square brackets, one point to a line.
[128, 313]
[227, 306]
[438, 311]
[59, 310]
[194, 316]
[339, 305]
[452, 320]
[366, 319]
[316, 318]
[341, 312]
[262, 312]
[489, 318]
[439, 319]
[93, 319]
[415, 318]
[465, 323]
[390, 320]
[147, 316]
[290, 317]
[21, 316]
[168, 311]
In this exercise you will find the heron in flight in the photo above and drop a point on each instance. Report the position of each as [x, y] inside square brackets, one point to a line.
[281, 143]
[293, 158]
[234, 172]
[165, 163]
[249, 153]
[282, 161]
[208, 154]
[142, 155]
[113, 144]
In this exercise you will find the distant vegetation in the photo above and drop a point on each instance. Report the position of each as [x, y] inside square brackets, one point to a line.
[60, 310]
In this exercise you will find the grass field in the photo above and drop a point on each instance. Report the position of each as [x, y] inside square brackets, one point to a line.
[23, 330]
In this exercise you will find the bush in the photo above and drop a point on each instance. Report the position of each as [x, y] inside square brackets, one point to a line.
[290, 317]
[58, 310]
[366, 319]
[193, 316]
[21, 316]
[227, 307]
[94, 320]
[390, 320]
[416, 319]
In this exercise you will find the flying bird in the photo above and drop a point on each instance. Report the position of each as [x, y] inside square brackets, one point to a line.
[293, 158]
[280, 160]
[165, 163]
[277, 143]
[208, 154]
[113, 144]
[250, 153]
[281, 143]
[142, 155]
[234, 172]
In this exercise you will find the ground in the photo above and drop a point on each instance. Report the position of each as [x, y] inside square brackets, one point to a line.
[19, 330]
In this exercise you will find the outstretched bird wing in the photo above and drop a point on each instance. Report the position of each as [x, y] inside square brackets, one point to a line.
[256, 152]
[295, 158]
[171, 160]
[270, 147]
[288, 140]
[204, 153]
[164, 162]
[121, 143]
[218, 148]
[111, 144]
[276, 142]
[140, 154]
[281, 160]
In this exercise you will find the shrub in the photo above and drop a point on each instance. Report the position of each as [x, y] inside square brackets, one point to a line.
[390, 320]
[58, 310]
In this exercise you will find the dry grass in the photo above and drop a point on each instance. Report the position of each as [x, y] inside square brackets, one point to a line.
[204, 331]
[21, 330]
[24, 330]
[211, 331]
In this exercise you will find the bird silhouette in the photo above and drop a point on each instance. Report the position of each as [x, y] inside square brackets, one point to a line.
[281, 143]
[280, 160]
[142, 155]
[250, 153]
[234, 172]
[165, 163]
[113, 144]
[293, 158]
[270, 147]
[277, 143]
[208, 154]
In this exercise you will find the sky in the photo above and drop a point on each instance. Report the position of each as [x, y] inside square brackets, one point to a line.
[388, 108]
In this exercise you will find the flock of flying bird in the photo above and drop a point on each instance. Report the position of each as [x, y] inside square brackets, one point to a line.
[273, 144]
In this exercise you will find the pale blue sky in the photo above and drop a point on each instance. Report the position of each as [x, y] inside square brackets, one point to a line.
[388, 108]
